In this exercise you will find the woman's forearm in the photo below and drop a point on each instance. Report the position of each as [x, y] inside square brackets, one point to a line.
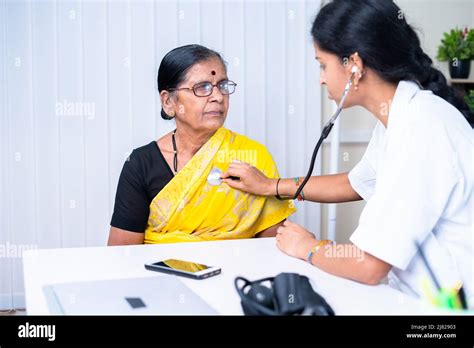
[348, 261]
[323, 189]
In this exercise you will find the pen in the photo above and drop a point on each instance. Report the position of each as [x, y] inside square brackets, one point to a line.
[425, 261]
[462, 298]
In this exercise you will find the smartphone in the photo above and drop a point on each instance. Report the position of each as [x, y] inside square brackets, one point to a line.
[184, 268]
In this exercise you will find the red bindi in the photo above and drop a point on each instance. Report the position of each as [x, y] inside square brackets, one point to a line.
[213, 72]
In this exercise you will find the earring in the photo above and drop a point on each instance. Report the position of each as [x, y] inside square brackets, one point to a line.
[356, 86]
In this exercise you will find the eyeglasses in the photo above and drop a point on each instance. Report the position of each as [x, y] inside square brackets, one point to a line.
[204, 89]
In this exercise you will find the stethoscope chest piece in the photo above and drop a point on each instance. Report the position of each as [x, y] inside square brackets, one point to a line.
[214, 177]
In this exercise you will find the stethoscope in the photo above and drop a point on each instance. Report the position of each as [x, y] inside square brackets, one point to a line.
[214, 178]
[326, 130]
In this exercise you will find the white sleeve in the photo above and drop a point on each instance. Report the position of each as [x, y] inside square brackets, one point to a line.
[362, 176]
[418, 178]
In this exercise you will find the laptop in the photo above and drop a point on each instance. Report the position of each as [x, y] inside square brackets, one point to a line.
[163, 295]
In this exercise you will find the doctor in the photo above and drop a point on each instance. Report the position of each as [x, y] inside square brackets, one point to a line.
[417, 174]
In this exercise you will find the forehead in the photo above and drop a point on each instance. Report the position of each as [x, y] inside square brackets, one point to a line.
[321, 54]
[207, 70]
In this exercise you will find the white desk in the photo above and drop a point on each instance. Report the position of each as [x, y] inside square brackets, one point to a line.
[251, 258]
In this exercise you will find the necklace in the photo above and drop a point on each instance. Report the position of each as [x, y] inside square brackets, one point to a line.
[175, 160]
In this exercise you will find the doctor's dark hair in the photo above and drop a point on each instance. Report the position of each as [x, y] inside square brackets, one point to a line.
[379, 32]
[177, 62]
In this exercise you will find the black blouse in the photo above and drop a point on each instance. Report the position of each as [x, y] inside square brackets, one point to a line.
[143, 176]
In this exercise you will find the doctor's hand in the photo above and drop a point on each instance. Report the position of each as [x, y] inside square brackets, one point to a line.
[295, 240]
[251, 180]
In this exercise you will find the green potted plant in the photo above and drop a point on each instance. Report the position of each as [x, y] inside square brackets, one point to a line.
[469, 98]
[457, 47]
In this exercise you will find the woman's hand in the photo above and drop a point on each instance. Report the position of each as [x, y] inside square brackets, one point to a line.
[251, 180]
[295, 240]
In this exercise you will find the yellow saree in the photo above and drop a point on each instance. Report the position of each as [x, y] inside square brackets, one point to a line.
[188, 209]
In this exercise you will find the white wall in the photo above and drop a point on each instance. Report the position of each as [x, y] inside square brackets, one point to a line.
[59, 168]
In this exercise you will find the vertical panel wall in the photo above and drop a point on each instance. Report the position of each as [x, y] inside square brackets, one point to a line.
[78, 93]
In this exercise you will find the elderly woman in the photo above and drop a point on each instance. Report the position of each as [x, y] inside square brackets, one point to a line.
[163, 194]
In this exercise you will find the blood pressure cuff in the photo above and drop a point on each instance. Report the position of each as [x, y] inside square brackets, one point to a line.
[289, 294]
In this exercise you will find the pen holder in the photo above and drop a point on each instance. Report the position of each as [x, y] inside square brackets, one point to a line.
[445, 298]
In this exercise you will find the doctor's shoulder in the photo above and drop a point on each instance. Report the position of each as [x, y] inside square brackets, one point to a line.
[435, 117]
[428, 107]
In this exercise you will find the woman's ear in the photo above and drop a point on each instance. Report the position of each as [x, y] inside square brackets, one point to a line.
[167, 103]
[356, 66]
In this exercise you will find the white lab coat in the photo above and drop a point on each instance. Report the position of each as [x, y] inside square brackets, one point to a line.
[417, 177]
